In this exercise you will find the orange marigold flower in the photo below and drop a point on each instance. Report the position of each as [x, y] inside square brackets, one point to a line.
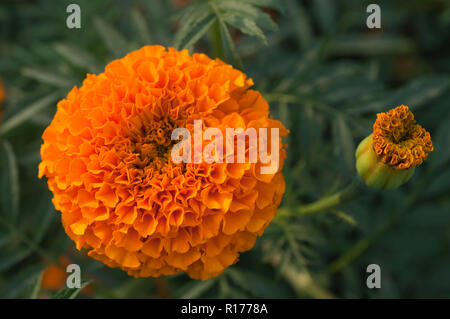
[398, 141]
[106, 155]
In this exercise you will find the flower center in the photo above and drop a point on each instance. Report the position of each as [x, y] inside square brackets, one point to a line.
[153, 144]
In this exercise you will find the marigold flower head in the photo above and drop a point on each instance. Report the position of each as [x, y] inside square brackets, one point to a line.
[387, 157]
[106, 157]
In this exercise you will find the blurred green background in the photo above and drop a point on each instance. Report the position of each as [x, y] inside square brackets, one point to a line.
[325, 75]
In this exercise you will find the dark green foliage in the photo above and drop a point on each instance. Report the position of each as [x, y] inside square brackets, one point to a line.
[325, 75]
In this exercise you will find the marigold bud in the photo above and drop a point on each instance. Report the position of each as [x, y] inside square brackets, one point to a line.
[374, 172]
[387, 158]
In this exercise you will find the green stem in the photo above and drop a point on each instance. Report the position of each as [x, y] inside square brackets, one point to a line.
[360, 247]
[326, 203]
[226, 34]
[217, 43]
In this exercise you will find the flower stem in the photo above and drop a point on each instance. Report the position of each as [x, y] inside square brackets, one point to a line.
[217, 43]
[328, 202]
[361, 246]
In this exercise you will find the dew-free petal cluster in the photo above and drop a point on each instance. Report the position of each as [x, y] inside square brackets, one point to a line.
[398, 141]
[106, 156]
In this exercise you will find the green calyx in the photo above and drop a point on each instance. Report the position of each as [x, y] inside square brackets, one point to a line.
[375, 173]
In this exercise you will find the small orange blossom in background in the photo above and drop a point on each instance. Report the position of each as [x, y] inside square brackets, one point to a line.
[2, 91]
[54, 276]
[106, 155]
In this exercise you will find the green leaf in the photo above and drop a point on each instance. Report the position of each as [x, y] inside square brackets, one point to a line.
[46, 77]
[415, 94]
[10, 183]
[18, 282]
[259, 285]
[275, 4]
[346, 144]
[301, 23]
[441, 141]
[141, 26]
[27, 113]
[364, 45]
[78, 57]
[70, 293]
[44, 216]
[247, 26]
[195, 289]
[194, 25]
[249, 12]
[198, 31]
[345, 217]
[325, 12]
[4, 239]
[12, 256]
[229, 44]
[114, 41]
[36, 286]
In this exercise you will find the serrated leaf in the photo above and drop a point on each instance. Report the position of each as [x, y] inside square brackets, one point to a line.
[275, 4]
[250, 12]
[244, 24]
[27, 113]
[70, 293]
[229, 43]
[194, 17]
[78, 57]
[196, 32]
[114, 41]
